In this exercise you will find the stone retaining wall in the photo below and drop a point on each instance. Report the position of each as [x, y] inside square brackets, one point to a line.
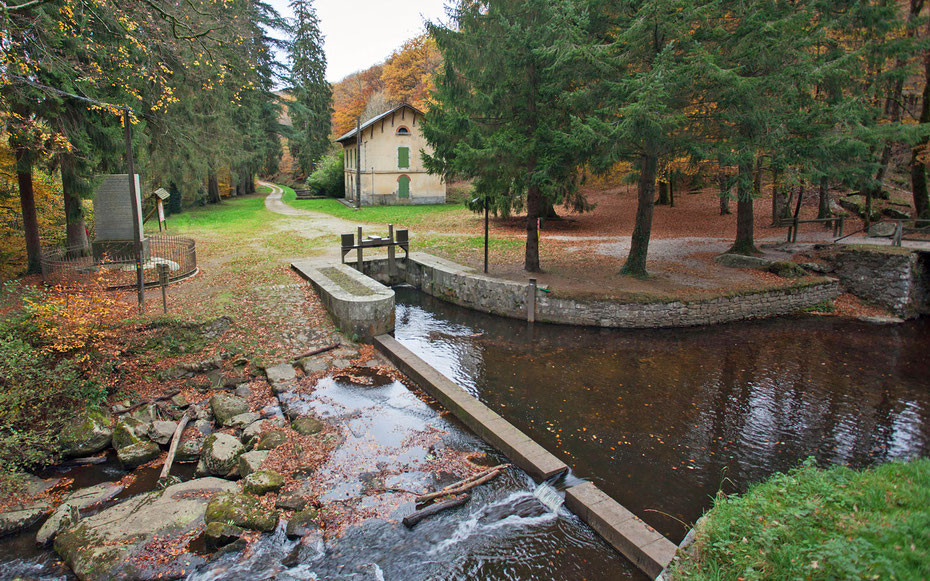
[463, 286]
[892, 278]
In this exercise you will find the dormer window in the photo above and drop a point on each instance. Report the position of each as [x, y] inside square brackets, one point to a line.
[403, 130]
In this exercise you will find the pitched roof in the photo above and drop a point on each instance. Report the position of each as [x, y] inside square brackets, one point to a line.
[374, 120]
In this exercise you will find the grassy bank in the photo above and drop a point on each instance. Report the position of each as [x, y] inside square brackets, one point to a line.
[813, 523]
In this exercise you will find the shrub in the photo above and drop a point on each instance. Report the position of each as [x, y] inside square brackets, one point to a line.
[328, 178]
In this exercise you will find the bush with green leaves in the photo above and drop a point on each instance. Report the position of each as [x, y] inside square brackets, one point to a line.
[40, 392]
[327, 179]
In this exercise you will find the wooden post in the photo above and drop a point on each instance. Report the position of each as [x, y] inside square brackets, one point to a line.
[163, 282]
[531, 301]
[360, 265]
[485, 233]
[136, 210]
[390, 251]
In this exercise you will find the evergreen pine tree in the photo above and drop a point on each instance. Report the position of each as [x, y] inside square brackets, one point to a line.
[311, 108]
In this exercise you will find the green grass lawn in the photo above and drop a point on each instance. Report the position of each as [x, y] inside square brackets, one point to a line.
[235, 215]
[406, 216]
[813, 523]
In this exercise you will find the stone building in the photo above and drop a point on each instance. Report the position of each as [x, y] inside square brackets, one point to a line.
[392, 170]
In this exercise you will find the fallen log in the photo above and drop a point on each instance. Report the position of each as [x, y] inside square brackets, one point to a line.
[318, 351]
[412, 519]
[173, 448]
[465, 484]
[152, 400]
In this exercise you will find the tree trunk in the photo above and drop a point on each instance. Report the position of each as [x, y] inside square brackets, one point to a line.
[779, 203]
[918, 166]
[724, 194]
[671, 191]
[534, 203]
[28, 204]
[213, 188]
[823, 210]
[74, 210]
[663, 194]
[550, 213]
[745, 242]
[757, 179]
[639, 243]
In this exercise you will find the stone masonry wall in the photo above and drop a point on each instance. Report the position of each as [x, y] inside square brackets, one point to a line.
[891, 278]
[462, 286]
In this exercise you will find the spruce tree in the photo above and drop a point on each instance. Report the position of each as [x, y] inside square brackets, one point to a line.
[503, 115]
[311, 108]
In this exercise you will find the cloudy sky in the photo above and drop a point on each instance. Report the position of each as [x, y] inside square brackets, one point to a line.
[360, 33]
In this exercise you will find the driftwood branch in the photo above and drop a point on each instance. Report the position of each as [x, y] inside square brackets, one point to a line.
[465, 484]
[173, 449]
[318, 351]
[152, 400]
[412, 519]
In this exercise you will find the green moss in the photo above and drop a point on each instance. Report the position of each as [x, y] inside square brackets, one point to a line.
[836, 523]
[241, 510]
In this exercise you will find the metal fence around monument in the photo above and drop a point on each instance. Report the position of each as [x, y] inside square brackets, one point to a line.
[78, 265]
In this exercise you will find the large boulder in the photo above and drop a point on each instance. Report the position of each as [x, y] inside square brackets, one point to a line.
[882, 230]
[241, 510]
[107, 544]
[127, 431]
[21, 518]
[253, 432]
[280, 373]
[88, 435]
[220, 534]
[263, 482]
[251, 462]
[221, 453]
[242, 420]
[161, 431]
[64, 516]
[225, 407]
[189, 451]
[87, 497]
[146, 414]
[138, 454]
[271, 440]
[302, 523]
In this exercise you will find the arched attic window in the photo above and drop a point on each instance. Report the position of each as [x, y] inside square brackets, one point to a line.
[402, 130]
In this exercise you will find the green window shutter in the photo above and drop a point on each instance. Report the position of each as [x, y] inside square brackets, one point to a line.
[403, 187]
[403, 157]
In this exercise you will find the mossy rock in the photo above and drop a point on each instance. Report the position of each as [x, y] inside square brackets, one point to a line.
[90, 434]
[219, 534]
[787, 269]
[138, 454]
[263, 482]
[271, 440]
[190, 450]
[241, 510]
[221, 453]
[127, 432]
[307, 425]
[251, 462]
[302, 523]
[225, 407]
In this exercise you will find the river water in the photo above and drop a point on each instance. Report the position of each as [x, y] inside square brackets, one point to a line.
[664, 419]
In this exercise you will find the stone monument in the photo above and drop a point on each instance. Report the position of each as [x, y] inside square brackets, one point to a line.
[113, 218]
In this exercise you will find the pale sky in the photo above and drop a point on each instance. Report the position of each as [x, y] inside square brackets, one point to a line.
[360, 33]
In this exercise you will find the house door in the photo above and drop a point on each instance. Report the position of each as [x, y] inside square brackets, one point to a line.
[403, 187]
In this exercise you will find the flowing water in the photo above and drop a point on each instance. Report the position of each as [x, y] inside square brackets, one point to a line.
[663, 419]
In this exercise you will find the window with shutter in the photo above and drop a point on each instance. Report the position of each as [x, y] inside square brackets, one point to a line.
[403, 157]
[403, 187]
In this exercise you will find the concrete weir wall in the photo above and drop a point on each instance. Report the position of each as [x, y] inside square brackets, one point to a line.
[359, 305]
[646, 548]
[463, 286]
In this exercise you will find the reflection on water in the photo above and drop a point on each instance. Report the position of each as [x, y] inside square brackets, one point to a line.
[662, 420]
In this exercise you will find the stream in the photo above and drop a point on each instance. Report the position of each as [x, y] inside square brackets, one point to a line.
[663, 419]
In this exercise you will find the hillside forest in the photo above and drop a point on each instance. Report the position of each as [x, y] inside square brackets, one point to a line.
[673, 96]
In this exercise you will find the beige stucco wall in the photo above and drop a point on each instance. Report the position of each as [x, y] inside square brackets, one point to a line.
[379, 158]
